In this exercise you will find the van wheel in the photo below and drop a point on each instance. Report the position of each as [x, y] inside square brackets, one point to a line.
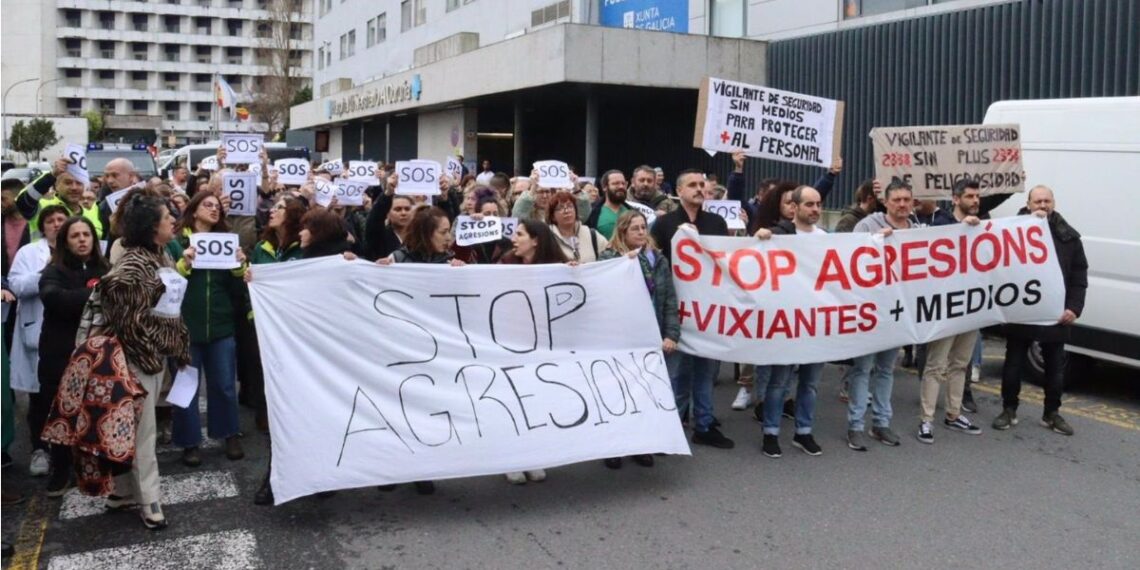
[1077, 366]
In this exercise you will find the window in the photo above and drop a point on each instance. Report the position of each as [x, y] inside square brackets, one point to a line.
[138, 51]
[728, 18]
[74, 106]
[72, 77]
[203, 54]
[233, 55]
[381, 28]
[233, 27]
[107, 106]
[107, 50]
[138, 21]
[106, 78]
[139, 107]
[170, 81]
[202, 111]
[452, 5]
[171, 52]
[172, 24]
[370, 37]
[351, 43]
[550, 13]
[328, 57]
[202, 81]
[405, 15]
[72, 19]
[138, 80]
[202, 26]
[421, 11]
[73, 47]
[856, 8]
[107, 20]
[343, 46]
[320, 58]
[170, 110]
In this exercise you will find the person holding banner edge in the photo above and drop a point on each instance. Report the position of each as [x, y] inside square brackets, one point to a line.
[691, 375]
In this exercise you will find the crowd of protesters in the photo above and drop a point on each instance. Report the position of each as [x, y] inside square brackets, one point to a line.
[74, 270]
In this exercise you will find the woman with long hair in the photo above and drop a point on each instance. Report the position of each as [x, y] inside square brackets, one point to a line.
[322, 234]
[487, 206]
[632, 238]
[428, 239]
[65, 285]
[578, 241]
[534, 243]
[210, 311]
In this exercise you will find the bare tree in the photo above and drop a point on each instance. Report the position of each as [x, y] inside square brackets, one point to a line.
[280, 36]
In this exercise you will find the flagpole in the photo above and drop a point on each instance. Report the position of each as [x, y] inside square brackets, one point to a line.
[216, 110]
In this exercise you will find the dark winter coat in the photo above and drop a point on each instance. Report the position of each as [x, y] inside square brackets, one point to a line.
[850, 217]
[1074, 269]
[64, 292]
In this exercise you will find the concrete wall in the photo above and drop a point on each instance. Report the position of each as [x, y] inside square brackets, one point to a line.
[441, 133]
[28, 45]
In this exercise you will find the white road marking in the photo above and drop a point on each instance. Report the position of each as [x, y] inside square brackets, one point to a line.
[176, 489]
[229, 550]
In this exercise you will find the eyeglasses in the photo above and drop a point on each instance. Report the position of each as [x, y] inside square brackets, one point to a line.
[211, 205]
[567, 207]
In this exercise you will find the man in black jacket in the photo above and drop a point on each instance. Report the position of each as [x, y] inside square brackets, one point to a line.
[1074, 269]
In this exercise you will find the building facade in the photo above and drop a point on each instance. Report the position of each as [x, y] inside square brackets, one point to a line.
[147, 65]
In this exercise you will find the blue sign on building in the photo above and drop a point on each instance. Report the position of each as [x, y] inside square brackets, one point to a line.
[660, 15]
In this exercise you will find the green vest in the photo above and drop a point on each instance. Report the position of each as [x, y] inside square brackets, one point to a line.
[91, 213]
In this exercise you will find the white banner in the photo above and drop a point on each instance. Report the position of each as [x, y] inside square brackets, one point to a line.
[363, 171]
[469, 231]
[815, 298]
[215, 250]
[727, 209]
[934, 158]
[350, 192]
[418, 177]
[292, 171]
[242, 148]
[423, 372]
[553, 174]
[768, 123]
[242, 190]
[76, 154]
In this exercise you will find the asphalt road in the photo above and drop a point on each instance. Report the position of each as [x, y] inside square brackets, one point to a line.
[1026, 498]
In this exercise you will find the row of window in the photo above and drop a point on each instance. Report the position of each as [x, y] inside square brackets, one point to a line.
[139, 51]
[170, 110]
[413, 13]
[173, 25]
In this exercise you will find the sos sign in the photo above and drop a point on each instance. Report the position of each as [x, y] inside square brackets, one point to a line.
[553, 174]
[418, 177]
[350, 192]
[363, 170]
[76, 155]
[242, 148]
[727, 209]
[292, 171]
[215, 250]
[242, 190]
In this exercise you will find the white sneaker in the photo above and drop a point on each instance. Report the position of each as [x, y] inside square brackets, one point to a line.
[536, 475]
[516, 478]
[40, 464]
[743, 397]
[976, 374]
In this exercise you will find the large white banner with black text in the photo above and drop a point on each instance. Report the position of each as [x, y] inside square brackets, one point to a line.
[817, 298]
[401, 373]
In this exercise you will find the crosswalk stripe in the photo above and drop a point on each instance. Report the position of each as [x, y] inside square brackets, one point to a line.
[228, 550]
[176, 489]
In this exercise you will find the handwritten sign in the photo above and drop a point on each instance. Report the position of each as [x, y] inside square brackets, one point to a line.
[553, 174]
[364, 171]
[215, 250]
[469, 231]
[933, 158]
[323, 192]
[768, 123]
[418, 177]
[510, 224]
[242, 148]
[292, 171]
[241, 187]
[209, 163]
[533, 377]
[454, 169]
[727, 209]
[76, 155]
[350, 192]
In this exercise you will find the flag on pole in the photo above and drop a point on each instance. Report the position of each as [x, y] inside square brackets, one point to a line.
[225, 96]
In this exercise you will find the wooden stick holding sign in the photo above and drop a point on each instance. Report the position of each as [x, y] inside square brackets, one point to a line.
[933, 158]
[469, 231]
[242, 148]
[215, 250]
[553, 174]
[350, 192]
[241, 187]
[76, 155]
[418, 177]
[768, 123]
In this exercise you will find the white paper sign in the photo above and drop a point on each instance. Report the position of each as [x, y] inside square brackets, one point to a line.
[469, 231]
[114, 198]
[242, 148]
[334, 167]
[826, 297]
[292, 171]
[215, 250]
[255, 168]
[509, 226]
[454, 169]
[350, 192]
[174, 290]
[323, 191]
[418, 177]
[363, 171]
[768, 123]
[727, 209]
[241, 187]
[534, 378]
[650, 215]
[586, 180]
[553, 174]
[209, 163]
[76, 154]
[184, 388]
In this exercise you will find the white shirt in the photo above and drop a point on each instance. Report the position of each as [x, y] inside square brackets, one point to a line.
[484, 178]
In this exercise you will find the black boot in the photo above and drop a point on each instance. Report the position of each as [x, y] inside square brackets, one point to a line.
[264, 495]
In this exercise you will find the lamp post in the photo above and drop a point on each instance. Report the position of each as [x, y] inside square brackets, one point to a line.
[4, 107]
[41, 86]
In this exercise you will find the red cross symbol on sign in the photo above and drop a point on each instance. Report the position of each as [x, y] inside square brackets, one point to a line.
[724, 137]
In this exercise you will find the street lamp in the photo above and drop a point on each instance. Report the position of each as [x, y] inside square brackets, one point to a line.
[4, 107]
[42, 83]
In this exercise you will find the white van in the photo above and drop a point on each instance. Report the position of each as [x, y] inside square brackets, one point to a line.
[1088, 152]
[190, 155]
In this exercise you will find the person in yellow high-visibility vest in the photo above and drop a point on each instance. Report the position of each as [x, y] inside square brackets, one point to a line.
[68, 193]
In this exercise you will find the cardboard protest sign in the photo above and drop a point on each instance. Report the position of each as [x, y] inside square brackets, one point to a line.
[215, 250]
[292, 171]
[241, 187]
[209, 163]
[727, 209]
[454, 169]
[934, 158]
[510, 224]
[819, 298]
[418, 177]
[469, 231]
[768, 123]
[323, 191]
[76, 154]
[553, 174]
[364, 171]
[497, 368]
[350, 192]
[242, 148]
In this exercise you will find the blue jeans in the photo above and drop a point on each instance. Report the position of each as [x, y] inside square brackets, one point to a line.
[806, 388]
[977, 359]
[217, 360]
[761, 380]
[873, 372]
[692, 378]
